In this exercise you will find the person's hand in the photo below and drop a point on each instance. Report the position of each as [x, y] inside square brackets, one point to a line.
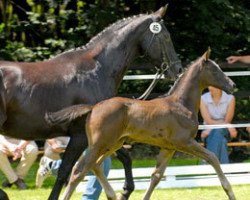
[205, 133]
[232, 132]
[232, 59]
[57, 148]
[248, 129]
[17, 153]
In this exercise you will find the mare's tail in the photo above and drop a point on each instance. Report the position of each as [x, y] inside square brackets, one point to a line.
[68, 114]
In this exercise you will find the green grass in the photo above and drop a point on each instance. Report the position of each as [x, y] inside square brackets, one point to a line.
[208, 193]
[211, 193]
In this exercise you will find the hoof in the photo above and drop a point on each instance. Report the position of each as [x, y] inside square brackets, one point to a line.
[120, 196]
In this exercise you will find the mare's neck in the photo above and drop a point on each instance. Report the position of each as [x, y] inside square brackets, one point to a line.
[121, 50]
[188, 91]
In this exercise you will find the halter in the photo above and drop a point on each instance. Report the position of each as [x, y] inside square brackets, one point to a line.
[158, 75]
[155, 28]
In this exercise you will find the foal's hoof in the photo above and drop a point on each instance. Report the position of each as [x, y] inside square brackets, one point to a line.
[120, 196]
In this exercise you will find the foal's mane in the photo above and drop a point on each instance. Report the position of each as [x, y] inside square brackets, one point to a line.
[107, 31]
[181, 76]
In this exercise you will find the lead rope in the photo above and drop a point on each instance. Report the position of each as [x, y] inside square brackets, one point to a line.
[155, 28]
[160, 71]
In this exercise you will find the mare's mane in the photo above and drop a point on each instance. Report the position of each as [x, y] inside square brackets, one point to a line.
[108, 31]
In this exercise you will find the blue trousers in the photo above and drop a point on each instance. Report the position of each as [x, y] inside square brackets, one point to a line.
[93, 187]
[216, 142]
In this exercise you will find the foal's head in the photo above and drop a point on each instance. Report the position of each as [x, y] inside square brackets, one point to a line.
[212, 75]
[157, 43]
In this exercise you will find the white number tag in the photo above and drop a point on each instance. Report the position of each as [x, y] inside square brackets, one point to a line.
[155, 27]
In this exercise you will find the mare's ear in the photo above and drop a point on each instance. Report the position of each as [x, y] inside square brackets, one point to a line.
[206, 55]
[162, 11]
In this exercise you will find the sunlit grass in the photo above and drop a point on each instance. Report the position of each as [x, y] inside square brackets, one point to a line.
[209, 193]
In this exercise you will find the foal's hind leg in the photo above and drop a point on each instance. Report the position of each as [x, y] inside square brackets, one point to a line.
[123, 155]
[104, 182]
[194, 148]
[162, 161]
[84, 165]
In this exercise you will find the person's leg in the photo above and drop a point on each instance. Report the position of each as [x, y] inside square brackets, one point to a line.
[224, 159]
[44, 170]
[93, 188]
[6, 168]
[46, 165]
[29, 156]
[213, 142]
[48, 152]
[217, 143]
[55, 165]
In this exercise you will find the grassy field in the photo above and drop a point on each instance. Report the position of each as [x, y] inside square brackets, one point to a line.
[208, 193]
[211, 193]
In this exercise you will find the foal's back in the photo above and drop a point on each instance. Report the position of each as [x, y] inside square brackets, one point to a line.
[143, 121]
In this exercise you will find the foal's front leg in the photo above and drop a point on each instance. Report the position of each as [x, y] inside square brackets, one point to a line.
[194, 148]
[162, 160]
[123, 155]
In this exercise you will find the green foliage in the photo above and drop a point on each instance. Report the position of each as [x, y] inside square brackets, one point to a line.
[194, 24]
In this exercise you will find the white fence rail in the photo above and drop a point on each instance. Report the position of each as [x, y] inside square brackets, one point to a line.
[180, 176]
[152, 76]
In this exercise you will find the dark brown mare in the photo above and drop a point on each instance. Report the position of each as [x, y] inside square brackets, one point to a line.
[169, 122]
[85, 75]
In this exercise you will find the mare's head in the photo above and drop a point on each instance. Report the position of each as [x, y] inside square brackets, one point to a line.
[212, 75]
[157, 44]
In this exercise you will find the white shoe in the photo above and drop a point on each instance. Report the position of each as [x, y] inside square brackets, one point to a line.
[44, 171]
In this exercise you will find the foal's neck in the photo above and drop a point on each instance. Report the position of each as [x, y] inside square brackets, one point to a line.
[188, 91]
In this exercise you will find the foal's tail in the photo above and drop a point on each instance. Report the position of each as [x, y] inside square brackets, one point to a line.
[68, 114]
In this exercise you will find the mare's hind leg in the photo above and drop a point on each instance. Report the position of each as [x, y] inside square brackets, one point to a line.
[162, 160]
[77, 144]
[194, 148]
[123, 155]
[85, 164]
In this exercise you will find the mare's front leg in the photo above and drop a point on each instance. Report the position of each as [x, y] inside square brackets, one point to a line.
[123, 155]
[162, 161]
[77, 144]
[192, 147]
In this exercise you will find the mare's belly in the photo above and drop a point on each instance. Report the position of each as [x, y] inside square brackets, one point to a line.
[30, 128]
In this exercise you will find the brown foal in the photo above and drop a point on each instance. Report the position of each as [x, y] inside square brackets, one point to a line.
[169, 122]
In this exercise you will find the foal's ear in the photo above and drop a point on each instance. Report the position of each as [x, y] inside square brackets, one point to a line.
[162, 11]
[206, 55]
